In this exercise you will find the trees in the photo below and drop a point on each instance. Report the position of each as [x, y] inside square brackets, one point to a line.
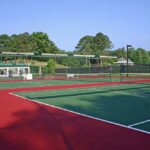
[43, 43]
[39, 42]
[84, 45]
[94, 45]
[101, 43]
[138, 56]
[21, 42]
[25, 42]
[121, 52]
[4, 41]
[50, 68]
[141, 56]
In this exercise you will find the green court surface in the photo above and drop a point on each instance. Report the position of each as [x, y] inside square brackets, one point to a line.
[5, 85]
[126, 104]
[144, 126]
[79, 79]
[38, 83]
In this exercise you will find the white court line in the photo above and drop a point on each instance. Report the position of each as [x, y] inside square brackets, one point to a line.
[139, 123]
[87, 116]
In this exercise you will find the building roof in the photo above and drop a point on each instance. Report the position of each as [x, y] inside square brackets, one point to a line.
[13, 64]
[49, 55]
[123, 61]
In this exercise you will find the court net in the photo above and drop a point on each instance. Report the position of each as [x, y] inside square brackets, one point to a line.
[135, 77]
[90, 77]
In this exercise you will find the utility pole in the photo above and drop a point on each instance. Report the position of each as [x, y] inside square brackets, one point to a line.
[128, 46]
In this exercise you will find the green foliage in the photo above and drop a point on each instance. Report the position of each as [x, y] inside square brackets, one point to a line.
[84, 45]
[34, 69]
[138, 56]
[141, 56]
[50, 68]
[39, 42]
[121, 52]
[25, 42]
[93, 45]
[73, 62]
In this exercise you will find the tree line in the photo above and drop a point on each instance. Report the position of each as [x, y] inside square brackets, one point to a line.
[100, 44]
[138, 56]
[25, 42]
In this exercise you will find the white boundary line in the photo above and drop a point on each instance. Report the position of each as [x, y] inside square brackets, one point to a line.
[139, 123]
[87, 116]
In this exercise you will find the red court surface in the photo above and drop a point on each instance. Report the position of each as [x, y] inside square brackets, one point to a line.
[27, 125]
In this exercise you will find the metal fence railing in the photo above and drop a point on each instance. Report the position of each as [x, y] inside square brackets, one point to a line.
[119, 71]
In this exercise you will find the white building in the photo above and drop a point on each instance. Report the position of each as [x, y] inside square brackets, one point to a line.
[122, 61]
[14, 70]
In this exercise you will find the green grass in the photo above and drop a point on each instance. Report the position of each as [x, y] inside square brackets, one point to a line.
[124, 104]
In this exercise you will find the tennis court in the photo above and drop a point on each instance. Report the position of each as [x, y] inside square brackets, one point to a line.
[66, 79]
[82, 112]
[61, 79]
[124, 104]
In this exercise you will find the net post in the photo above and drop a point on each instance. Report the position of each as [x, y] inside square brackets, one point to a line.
[110, 74]
[122, 70]
[66, 67]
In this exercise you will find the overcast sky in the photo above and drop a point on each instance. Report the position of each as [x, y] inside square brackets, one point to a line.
[66, 21]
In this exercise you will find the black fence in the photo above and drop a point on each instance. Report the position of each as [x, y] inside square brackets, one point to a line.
[120, 71]
[108, 69]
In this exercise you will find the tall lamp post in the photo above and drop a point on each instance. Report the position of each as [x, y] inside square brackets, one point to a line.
[2, 46]
[128, 46]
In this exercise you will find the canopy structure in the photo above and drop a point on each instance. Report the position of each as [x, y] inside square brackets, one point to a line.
[23, 54]
[88, 58]
[122, 61]
[14, 70]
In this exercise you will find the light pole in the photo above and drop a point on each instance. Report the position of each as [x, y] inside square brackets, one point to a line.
[2, 46]
[128, 46]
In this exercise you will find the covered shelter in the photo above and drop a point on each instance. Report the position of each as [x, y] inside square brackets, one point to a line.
[122, 61]
[14, 70]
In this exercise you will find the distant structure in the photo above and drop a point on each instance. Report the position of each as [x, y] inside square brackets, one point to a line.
[14, 70]
[94, 58]
[122, 61]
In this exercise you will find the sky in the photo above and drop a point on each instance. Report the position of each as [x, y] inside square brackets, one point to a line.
[67, 21]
